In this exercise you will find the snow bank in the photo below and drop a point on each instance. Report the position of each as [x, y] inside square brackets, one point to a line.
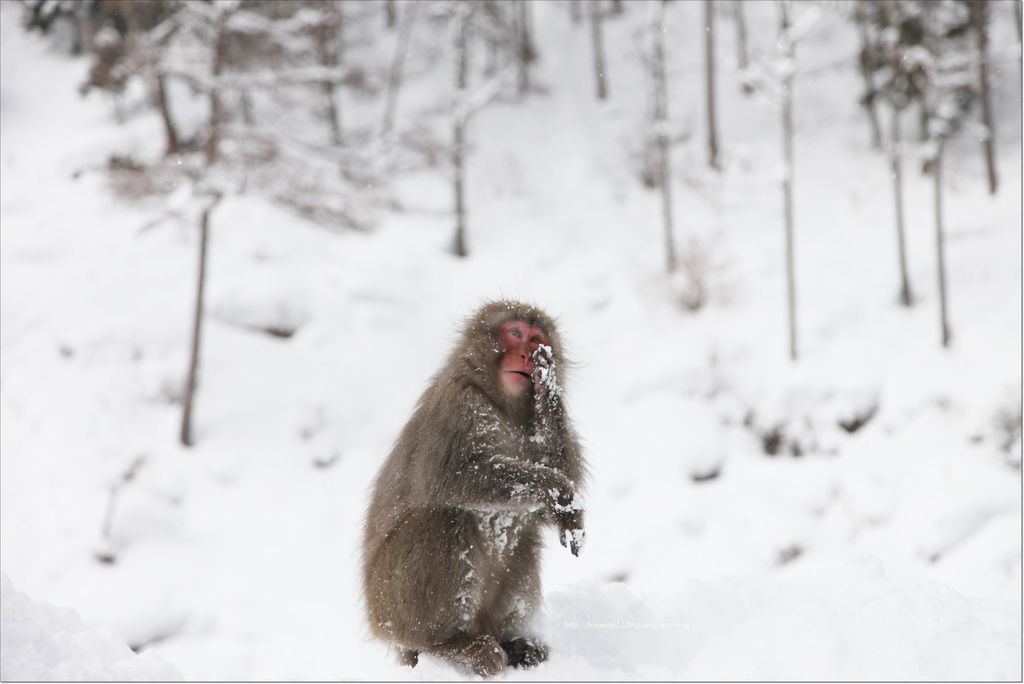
[850, 621]
[43, 642]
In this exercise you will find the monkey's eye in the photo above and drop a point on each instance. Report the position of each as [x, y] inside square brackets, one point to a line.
[536, 339]
[516, 332]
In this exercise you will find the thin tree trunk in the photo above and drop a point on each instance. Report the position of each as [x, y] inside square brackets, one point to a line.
[869, 80]
[458, 136]
[163, 104]
[709, 81]
[459, 129]
[979, 10]
[390, 13]
[940, 246]
[197, 324]
[598, 41]
[575, 13]
[333, 122]
[326, 37]
[247, 116]
[524, 47]
[530, 33]
[1020, 50]
[216, 111]
[88, 33]
[742, 54]
[397, 65]
[491, 58]
[618, 7]
[661, 131]
[787, 178]
[896, 161]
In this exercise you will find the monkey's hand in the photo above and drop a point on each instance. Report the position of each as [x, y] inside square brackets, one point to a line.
[545, 382]
[568, 516]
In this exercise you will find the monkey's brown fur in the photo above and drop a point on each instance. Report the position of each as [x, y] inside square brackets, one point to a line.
[452, 537]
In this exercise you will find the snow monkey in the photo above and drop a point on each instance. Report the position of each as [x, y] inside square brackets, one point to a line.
[451, 549]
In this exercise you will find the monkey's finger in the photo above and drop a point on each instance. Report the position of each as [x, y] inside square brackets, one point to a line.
[576, 541]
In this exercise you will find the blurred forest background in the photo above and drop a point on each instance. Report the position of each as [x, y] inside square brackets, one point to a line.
[783, 240]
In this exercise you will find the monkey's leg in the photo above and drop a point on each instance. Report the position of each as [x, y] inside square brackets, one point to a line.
[525, 652]
[517, 600]
[481, 653]
[408, 656]
[425, 586]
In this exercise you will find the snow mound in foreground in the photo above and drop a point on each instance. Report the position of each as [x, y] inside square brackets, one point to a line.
[848, 622]
[43, 642]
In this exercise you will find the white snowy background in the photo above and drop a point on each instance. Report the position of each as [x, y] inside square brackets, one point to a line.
[893, 552]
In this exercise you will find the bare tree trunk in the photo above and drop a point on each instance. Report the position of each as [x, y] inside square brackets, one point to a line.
[575, 12]
[618, 7]
[88, 29]
[326, 36]
[660, 83]
[980, 12]
[247, 116]
[596, 33]
[742, 54]
[869, 80]
[1020, 51]
[709, 81]
[524, 45]
[163, 104]
[459, 127]
[787, 177]
[940, 245]
[896, 161]
[530, 33]
[397, 64]
[491, 57]
[333, 116]
[390, 13]
[197, 324]
[216, 110]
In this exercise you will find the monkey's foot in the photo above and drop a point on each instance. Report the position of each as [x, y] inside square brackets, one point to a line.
[523, 652]
[482, 654]
[407, 656]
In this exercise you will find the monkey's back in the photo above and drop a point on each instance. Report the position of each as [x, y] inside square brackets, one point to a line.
[407, 479]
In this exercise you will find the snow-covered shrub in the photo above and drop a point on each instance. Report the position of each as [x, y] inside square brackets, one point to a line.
[1008, 430]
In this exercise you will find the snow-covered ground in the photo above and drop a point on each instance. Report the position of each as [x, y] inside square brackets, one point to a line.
[891, 552]
[42, 642]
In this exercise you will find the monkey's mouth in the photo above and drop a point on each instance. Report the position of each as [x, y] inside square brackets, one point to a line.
[524, 374]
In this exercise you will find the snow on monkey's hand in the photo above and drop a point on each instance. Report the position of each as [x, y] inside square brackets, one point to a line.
[545, 380]
[568, 514]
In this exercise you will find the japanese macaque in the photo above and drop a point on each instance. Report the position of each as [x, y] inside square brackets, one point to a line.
[452, 542]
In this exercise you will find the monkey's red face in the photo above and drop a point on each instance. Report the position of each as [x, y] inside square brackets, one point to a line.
[519, 340]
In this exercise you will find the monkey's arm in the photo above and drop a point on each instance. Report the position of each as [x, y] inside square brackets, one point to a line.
[560, 448]
[491, 480]
[484, 475]
[483, 465]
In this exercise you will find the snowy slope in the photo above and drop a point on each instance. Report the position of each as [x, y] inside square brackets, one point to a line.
[43, 643]
[892, 552]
